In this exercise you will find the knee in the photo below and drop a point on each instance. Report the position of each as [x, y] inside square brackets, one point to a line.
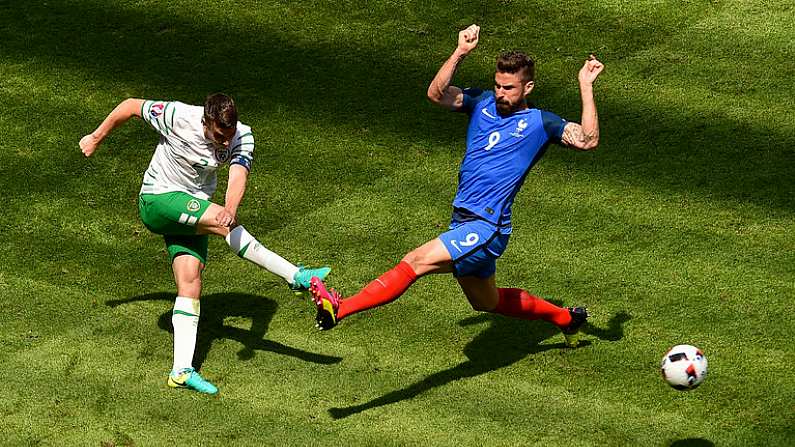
[193, 278]
[416, 260]
[217, 230]
[189, 285]
[482, 300]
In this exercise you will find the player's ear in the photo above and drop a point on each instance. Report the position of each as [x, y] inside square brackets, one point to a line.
[528, 87]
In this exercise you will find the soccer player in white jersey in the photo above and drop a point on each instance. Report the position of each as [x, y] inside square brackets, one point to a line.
[175, 202]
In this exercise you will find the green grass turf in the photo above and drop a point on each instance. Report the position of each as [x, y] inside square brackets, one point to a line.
[679, 229]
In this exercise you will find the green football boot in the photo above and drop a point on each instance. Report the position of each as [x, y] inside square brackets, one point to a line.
[303, 277]
[190, 379]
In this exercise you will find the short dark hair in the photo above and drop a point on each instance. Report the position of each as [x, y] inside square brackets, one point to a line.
[220, 109]
[515, 61]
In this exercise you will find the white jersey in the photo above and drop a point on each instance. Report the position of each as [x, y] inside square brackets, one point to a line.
[185, 160]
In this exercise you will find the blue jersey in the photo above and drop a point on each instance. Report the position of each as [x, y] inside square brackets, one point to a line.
[500, 152]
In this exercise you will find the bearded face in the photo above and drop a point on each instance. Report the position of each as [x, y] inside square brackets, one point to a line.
[510, 90]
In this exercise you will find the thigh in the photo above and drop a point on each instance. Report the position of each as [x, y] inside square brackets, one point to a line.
[208, 224]
[173, 213]
[481, 292]
[465, 238]
[430, 257]
[474, 247]
[193, 245]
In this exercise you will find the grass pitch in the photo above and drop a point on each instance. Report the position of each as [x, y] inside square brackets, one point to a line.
[679, 229]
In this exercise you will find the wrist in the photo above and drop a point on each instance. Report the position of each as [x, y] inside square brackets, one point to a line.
[98, 135]
[459, 53]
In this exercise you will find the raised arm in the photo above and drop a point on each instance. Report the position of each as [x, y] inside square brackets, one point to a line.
[585, 136]
[440, 91]
[124, 111]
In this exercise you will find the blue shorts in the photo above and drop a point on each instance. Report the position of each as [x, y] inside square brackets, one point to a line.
[474, 246]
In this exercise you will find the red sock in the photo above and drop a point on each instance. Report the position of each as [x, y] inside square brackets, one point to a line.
[519, 304]
[383, 290]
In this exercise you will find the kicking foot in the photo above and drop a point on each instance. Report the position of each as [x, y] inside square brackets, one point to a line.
[327, 302]
[302, 278]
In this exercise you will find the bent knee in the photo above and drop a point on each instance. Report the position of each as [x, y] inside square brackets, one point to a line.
[417, 261]
[482, 302]
[215, 230]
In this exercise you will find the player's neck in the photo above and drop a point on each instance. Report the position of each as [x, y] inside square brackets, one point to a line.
[511, 112]
[524, 105]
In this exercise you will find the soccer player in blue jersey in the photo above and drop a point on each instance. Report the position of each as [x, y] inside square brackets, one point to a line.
[505, 138]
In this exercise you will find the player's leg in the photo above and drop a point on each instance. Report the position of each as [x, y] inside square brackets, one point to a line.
[431, 257]
[175, 215]
[482, 293]
[428, 258]
[189, 254]
[475, 274]
[484, 296]
[247, 247]
[185, 316]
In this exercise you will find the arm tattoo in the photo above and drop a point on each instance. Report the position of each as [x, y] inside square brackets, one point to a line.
[573, 135]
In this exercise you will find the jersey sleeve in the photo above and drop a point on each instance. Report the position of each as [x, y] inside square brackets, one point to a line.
[243, 148]
[471, 97]
[160, 115]
[553, 126]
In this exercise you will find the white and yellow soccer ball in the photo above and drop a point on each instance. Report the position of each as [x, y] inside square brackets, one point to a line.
[684, 367]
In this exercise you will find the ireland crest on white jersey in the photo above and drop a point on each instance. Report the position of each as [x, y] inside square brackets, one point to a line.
[185, 160]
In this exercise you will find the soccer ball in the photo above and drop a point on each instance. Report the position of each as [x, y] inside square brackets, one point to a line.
[684, 367]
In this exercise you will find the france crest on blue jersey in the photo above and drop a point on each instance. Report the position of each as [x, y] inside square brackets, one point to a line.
[500, 152]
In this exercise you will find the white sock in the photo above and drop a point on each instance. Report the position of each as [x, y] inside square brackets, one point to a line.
[185, 319]
[249, 248]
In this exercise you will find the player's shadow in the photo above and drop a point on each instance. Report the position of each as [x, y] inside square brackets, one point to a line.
[217, 307]
[503, 343]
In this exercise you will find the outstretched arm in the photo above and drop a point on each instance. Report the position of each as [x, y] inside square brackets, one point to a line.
[585, 136]
[124, 111]
[440, 91]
